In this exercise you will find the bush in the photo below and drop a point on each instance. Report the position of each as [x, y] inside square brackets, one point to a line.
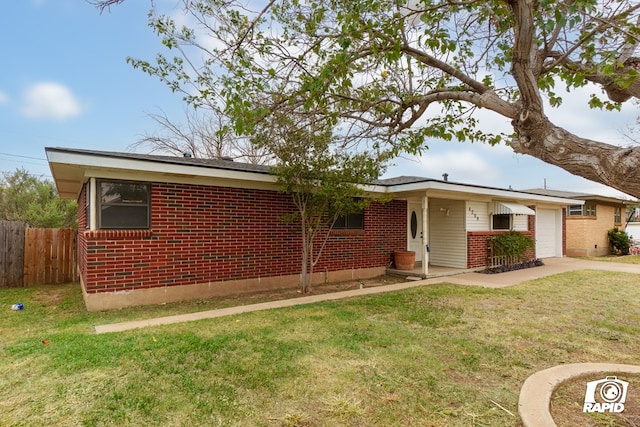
[511, 244]
[619, 242]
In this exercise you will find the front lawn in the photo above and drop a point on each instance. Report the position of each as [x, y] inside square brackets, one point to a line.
[440, 355]
[624, 259]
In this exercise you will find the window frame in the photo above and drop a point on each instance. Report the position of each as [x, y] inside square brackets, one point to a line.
[356, 223]
[100, 204]
[588, 210]
[493, 223]
[574, 210]
[617, 215]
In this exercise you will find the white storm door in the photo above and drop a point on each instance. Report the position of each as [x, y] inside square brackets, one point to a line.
[414, 229]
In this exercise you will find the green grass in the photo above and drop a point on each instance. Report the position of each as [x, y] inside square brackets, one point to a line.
[441, 355]
[624, 259]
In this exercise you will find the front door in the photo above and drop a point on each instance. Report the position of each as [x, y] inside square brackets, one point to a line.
[414, 222]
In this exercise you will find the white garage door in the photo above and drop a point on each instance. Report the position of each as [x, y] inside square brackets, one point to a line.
[548, 233]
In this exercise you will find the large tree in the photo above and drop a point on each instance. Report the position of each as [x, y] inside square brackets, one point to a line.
[205, 133]
[399, 73]
[35, 201]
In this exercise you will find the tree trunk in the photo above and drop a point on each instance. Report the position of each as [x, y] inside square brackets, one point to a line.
[610, 165]
[304, 279]
[537, 136]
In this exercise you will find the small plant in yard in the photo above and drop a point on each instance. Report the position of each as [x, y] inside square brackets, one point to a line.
[509, 252]
[511, 244]
[619, 242]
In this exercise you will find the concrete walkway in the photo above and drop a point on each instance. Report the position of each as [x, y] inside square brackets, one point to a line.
[552, 266]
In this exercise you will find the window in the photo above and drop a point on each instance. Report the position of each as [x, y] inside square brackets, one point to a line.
[617, 215]
[575, 210]
[501, 222]
[588, 209]
[414, 224]
[354, 221]
[123, 205]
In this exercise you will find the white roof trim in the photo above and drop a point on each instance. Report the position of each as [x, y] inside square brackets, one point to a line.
[511, 208]
[71, 168]
[429, 186]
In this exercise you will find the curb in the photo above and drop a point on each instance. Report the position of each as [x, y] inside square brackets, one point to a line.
[535, 394]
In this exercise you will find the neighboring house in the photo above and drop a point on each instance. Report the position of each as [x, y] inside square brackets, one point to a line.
[588, 224]
[155, 229]
[633, 228]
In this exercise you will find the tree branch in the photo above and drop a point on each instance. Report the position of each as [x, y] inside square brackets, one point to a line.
[610, 165]
[445, 68]
[524, 66]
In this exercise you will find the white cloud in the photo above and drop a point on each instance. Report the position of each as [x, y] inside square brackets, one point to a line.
[4, 98]
[50, 100]
[605, 126]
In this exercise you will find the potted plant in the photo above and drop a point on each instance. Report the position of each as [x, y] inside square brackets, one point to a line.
[404, 260]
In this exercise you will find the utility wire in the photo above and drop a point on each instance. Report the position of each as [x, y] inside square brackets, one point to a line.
[29, 174]
[24, 157]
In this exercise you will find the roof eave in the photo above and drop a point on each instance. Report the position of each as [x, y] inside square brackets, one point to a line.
[435, 185]
[71, 169]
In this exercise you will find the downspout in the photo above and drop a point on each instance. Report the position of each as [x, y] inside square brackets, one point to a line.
[425, 236]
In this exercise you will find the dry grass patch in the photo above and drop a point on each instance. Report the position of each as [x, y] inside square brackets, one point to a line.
[440, 355]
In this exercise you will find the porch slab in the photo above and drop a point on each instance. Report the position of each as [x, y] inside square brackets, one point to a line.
[434, 271]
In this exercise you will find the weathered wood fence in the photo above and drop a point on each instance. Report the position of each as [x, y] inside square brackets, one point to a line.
[11, 253]
[502, 260]
[36, 256]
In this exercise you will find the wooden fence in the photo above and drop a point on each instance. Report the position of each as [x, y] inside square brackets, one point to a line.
[502, 261]
[36, 256]
[11, 253]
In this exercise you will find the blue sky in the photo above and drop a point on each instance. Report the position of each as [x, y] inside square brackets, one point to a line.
[65, 83]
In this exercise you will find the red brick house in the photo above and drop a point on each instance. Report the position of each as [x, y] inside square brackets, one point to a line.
[154, 229]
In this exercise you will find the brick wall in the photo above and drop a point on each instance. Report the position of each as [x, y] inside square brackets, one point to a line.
[478, 246]
[588, 236]
[204, 234]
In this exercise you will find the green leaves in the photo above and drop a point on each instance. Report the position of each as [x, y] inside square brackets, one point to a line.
[396, 74]
[619, 241]
[511, 244]
[26, 198]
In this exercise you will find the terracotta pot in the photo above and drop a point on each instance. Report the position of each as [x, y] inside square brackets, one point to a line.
[405, 260]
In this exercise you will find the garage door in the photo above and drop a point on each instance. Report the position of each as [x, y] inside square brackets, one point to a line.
[548, 233]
